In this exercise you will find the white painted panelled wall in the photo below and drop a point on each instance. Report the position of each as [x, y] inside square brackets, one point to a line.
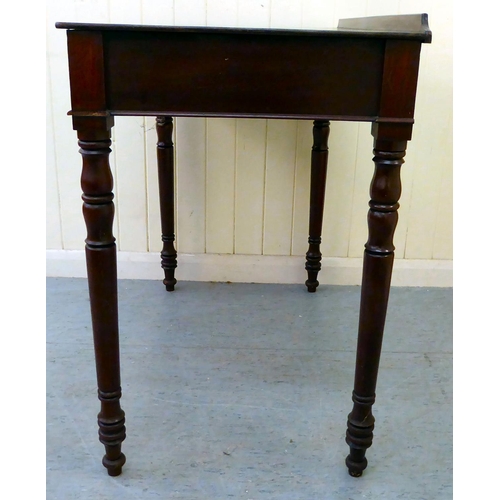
[242, 186]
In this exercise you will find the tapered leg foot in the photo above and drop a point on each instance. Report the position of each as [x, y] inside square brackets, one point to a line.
[170, 283]
[356, 462]
[114, 466]
[111, 422]
[169, 261]
[313, 263]
[359, 435]
[312, 285]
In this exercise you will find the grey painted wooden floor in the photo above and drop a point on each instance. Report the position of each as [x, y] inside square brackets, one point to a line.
[242, 391]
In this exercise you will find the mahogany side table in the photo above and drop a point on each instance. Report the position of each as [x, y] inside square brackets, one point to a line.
[365, 70]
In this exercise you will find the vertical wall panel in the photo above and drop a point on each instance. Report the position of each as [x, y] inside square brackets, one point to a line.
[279, 181]
[157, 12]
[407, 172]
[190, 155]
[152, 189]
[221, 154]
[129, 155]
[91, 11]
[222, 12]
[301, 188]
[66, 148]
[53, 234]
[130, 183]
[347, 189]
[190, 159]
[432, 139]
[443, 234]
[154, 12]
[280, 237]
[190, 13]
[318, 14]
[254, 13]
[342, 154]
[249, 185]
[251, 136]
[345, 9]
[358, 233]
[382, 8]
[285, 13]
[412, 6]
[221, 138]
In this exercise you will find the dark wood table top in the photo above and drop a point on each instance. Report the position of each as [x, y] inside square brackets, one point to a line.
[409, 27]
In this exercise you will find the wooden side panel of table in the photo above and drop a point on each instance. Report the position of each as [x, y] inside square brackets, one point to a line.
[231, 75]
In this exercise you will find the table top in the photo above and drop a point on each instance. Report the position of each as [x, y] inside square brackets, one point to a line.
[406, 27]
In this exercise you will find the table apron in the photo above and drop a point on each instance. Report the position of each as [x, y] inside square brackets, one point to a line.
[186, 74]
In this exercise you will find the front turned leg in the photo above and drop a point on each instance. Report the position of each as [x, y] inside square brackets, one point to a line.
[165, 155]
[385, 191]
[319, 161]
[100, 250]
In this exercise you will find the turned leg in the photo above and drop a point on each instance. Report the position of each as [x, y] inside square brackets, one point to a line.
[319, 161]
[100, 250]
[165, 154]
[385, 191]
